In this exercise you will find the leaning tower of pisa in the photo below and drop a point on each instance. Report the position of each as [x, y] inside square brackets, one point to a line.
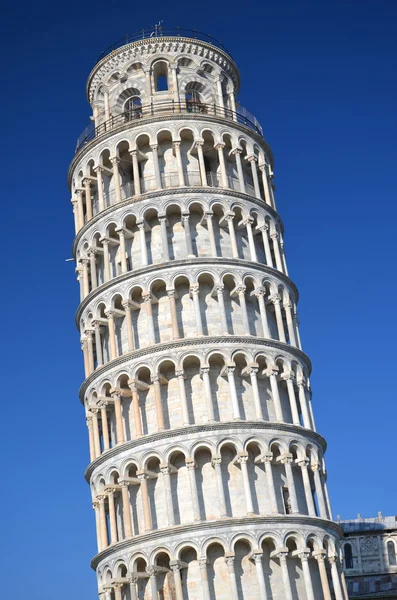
[206, 471]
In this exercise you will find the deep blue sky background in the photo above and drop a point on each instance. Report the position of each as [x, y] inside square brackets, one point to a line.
[320, 77]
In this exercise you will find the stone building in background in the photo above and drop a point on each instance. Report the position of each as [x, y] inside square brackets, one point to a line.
[206, 471]
[369, 557]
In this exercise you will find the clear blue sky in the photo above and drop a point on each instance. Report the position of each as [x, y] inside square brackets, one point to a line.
[320, 77]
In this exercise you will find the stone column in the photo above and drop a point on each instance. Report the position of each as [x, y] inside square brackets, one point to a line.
[174, 316]
[260, 294]
[159, 406]
[90, 351]
[125, 497]
[95, 431]
[266, 244]
[285, 575]
[210, 226]
[106, 260]
[147, 298]
[177, 148]
[204, 577]
[287, 462]
[182, 395]
[175, 567]
[290, 325]
[242, 460]
[106, 103]
[232, 576]
[127, 305]
[153, 583]
[248, 224]
[220, 95]
[204, 372]
[191, 466]
[116, 178]
[253, 160]
[216, 463]
[95, 506]
[319, 491]
[275, 395]
[311, 509]
[123, 258]
[75, 216]
[135, 408]
[90, 437]
[105, 426]
[267, 461]
[233, 393]
[276, 249]
[133, 583]
[303, 403]
[164, 238]
[237, 153]
[320, 558]
[118, 595]
[88, 199]
[255, 392]
[257, 556]
[112, 333]
[222, 311]
[165, 471]
[94, 279]
[101, 200]
[335, 578]
[108, 593]
[112, 517]
[304, 556]
[230, 222]
[142, 237]
[86, 285]
[102, 523]
[145, 500]
[194, 290]
[265, 185]
[135, 169]
[276, 300]
[84, 348]
[188, 237]
[203, 175]
[80, 209]
[240, 290]
[116, 396]
[156, 166]
[289, 378]
[222, 165]
[98, 342]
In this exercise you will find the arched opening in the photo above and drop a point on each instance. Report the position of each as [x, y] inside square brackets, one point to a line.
[193, 98]
[349, 556]
[132, 108]
[160, 76]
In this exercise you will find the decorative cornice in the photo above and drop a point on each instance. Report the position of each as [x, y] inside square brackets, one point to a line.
[192, 528]
[153, 438]
[175, 192]
[215, 341]
[176, 117]
[191, 262]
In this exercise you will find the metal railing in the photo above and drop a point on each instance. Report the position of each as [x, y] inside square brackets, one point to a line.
[159, 32]
[241, 116]
[168, 181]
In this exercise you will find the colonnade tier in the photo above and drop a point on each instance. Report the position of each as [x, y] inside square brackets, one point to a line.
[147, 159]
[127, 244]
[231, 474]
[269, 560]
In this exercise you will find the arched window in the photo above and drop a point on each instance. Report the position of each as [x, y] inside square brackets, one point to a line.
[160, 76]
[193, 99]
[348, 556]
[391, 553]
[133, 108]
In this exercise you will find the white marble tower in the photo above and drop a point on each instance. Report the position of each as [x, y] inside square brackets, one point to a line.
[206, 472]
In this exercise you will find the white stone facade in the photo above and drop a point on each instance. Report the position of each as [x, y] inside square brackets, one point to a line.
[206, 471]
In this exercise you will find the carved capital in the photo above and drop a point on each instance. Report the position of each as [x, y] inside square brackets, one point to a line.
[275, 298]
